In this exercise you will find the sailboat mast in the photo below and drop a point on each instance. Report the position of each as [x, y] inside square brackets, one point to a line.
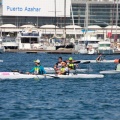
[86, 21]
[86, 25]
[65, 20]
[73, 21]
[55, 16]
[116, 17]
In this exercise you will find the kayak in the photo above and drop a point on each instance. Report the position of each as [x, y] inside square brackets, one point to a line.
[1, 60]
[50, 70]
[94, 61]
[16, 75]
[110, 72]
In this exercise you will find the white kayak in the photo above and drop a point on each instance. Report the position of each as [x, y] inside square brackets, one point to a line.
[94, 61]
[1, 60]
[50, 70]
[16, 75]
[110, 72]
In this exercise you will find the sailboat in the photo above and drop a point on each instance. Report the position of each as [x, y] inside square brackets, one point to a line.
[64, 45]
[83, 47]
[61, 39]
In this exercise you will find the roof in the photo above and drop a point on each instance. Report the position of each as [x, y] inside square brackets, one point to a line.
[94, 27]
[27, 26]
[49, 26]
[7, 25]
[73, 26]
[110, 26]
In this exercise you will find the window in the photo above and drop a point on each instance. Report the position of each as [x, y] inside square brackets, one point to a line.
[25, 40]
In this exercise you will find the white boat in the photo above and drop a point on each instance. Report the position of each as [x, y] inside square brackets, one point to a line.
[16, 75]
[110, 72]
[2, 49]
[29, 38]
[104, 47]
[50, 70]
[9, 42]
[1, 60]
[94, 61]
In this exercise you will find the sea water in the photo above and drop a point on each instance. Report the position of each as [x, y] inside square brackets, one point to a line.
[58, 99]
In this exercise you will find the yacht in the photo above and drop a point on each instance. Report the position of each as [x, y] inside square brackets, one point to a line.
[29, 39]
[2, 49]
[9, 42]
[104, 47]
[89, 40]
[88, 44]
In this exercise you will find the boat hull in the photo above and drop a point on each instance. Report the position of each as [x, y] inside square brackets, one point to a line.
[16, 75]
[94, 61]
[50, 70]
[110, 72]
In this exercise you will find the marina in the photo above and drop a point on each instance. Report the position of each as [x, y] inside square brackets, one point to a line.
[60, 59]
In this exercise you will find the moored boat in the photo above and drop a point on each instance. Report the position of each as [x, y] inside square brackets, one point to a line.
[17, 75]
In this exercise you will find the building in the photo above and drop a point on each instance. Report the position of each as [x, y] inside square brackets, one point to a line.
[101, 12]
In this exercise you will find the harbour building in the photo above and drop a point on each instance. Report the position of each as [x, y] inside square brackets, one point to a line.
[66, 12]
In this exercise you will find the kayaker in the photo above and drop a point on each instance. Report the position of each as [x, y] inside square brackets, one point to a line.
[117, 61]
[99, 58]
[37, 69]
[71, 64]
[64, 69]
[58, 65]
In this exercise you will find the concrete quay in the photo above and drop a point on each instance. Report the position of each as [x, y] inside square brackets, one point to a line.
[69, 51]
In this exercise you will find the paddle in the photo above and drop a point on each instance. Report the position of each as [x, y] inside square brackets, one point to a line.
[77, 62]
[86, 62]
[52, 76]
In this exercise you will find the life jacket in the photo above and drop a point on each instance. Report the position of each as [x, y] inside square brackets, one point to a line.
[71, 65]
[63, 71]
[36, 70]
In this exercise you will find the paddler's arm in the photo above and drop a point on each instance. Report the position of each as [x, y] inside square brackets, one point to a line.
[97, 59]
[42, 69]
[32, 70]
[55, 66]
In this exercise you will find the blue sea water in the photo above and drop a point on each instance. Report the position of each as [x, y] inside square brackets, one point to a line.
[58, 99]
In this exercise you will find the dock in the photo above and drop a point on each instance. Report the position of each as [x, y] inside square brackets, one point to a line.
[69, 51]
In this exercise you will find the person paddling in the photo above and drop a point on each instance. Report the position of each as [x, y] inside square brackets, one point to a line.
[64, 69]
[58, 65]
[71, 64]
[99, 58]
[117, 61]
[37, 69]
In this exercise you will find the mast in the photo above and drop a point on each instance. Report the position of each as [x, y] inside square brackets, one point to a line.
[65, 20]
[73, 21]
[116, 18]
[86, 25]
[55, 16]
[86, 21]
